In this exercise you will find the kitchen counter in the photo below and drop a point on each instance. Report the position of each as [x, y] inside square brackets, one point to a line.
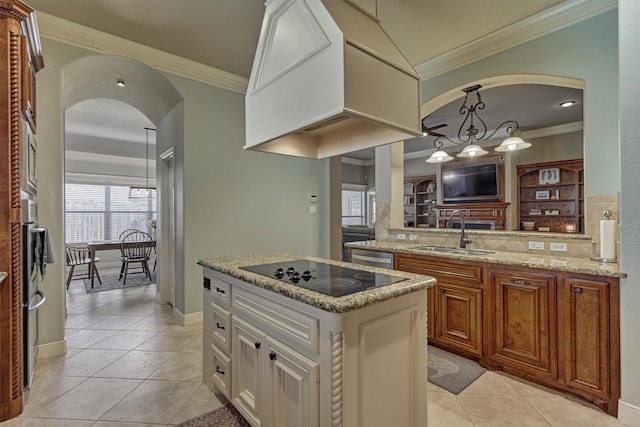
[548, 262]
[231, 266]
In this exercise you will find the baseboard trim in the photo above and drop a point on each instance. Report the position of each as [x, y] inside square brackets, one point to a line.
[628, 414]
[52, 349]
[188, 319]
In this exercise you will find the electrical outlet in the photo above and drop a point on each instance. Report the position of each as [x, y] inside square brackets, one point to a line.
[558, 247]
[401, 236]
[536, 246]
[413, 237]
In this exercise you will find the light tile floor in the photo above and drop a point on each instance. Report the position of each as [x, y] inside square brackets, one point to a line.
[129, 363]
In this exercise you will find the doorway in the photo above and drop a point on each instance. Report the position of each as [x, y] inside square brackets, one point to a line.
[168, 226]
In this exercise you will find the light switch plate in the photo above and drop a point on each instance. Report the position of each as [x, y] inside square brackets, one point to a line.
[558, 247]
[413, 237]
[536, 246]
[401, 236]
[312, 209]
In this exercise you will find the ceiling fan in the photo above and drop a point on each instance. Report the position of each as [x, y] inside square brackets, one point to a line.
[429, 130]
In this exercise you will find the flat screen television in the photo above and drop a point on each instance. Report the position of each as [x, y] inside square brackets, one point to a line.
[474, 183]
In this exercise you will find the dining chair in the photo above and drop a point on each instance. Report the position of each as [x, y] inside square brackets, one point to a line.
[135, 247]
[124, 233]
[79, 255]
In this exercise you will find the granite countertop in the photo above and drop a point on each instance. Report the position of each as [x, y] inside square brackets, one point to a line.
[231, 266]
[549, 262]
[3, 276]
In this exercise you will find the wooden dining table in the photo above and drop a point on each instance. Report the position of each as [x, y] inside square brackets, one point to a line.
[105, 245]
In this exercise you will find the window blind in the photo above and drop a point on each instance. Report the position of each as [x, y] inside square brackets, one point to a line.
[102, 212]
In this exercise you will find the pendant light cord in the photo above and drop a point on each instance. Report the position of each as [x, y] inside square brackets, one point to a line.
[147, 158]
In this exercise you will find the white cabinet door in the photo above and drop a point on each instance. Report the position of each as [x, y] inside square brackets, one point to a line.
[247, 375]
[293, 379]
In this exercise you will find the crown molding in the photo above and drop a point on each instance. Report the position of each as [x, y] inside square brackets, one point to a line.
[358, 162]
[82, 156]
[78, 35]
[553, 130]
[543, 23]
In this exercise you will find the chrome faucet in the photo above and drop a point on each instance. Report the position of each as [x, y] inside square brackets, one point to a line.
[463, 240]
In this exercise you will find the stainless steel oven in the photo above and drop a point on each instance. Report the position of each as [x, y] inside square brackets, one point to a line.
[34, 252]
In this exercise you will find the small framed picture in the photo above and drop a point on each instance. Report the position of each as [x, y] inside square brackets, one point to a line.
[542, 195]
[549, 176]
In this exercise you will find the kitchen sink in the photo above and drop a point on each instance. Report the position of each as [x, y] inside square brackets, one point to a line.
[436, 249]
[459, 251]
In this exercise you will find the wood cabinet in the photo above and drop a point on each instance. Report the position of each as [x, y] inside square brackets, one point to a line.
[458, 315]
[552, 195]
[292, 364]
[589, 338]
[455, 303]
[523, 315]
[19, 48]
[486, 216]
[557, 328]
[420, 202]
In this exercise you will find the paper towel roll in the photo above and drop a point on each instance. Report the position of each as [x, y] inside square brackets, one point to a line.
[607, 239]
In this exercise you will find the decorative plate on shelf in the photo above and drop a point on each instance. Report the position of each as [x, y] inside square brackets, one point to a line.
[549, 176]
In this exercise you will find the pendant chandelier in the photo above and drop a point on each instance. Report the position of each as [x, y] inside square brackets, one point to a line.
[146, 191]
[475, 130]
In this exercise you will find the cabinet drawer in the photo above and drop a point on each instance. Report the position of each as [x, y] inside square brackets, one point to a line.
[221, 331]
[222, 372]
[295, 328]
[220, 289]
[466, 274]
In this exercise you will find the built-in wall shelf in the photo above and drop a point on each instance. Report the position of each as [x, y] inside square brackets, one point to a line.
[420, 202]
[551, 194]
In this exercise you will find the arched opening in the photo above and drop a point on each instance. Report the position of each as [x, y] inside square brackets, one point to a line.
[112, 100]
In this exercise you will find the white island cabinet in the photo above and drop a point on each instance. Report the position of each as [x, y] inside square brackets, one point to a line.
[307, 359]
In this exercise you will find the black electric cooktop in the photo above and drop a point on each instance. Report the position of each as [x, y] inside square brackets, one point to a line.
[324, 278]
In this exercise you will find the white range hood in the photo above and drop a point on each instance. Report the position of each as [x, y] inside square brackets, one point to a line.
[327, 80]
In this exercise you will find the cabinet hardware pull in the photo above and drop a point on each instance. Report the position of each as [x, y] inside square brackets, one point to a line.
[219, 326]
[520, 282]
[257, 344]
[219, 290]
[578, 290]
[218, 370]
[272, 355]
[442, 291]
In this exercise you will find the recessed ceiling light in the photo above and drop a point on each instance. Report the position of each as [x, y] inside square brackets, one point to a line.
[120, 82]
[566, 104]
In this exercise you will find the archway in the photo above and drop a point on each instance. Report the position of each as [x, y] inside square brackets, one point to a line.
[148, 91]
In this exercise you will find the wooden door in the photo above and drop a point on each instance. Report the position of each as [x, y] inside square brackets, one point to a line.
[293, 398]
[459, 317]
[524, 314]
[247, 371]
[585, 334]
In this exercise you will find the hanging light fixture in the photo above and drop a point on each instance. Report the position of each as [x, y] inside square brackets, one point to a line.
[475, 130]
[146, 191]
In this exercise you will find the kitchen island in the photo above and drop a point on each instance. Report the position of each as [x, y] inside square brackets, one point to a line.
[287, 355]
